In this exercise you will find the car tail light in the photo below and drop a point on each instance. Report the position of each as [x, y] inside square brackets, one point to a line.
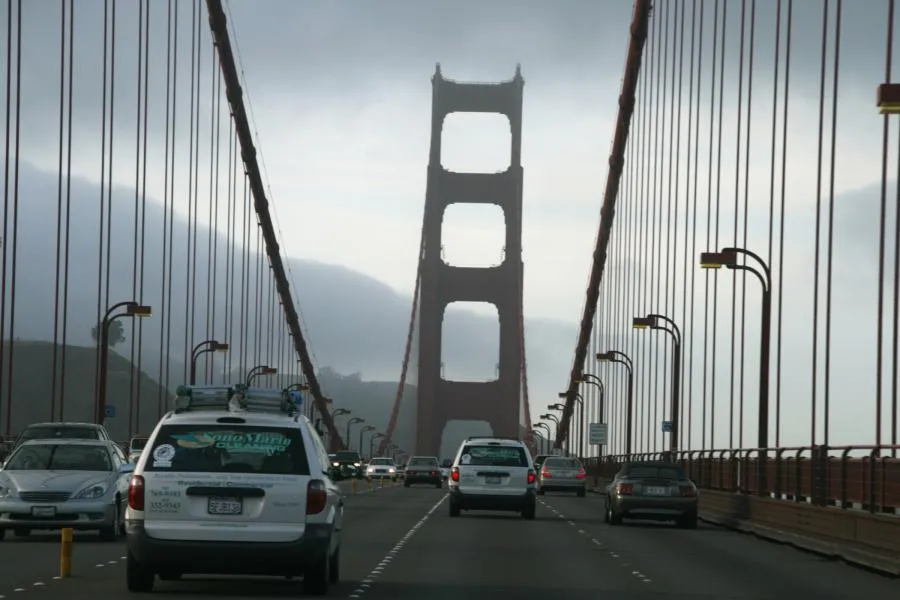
[136, 492]
[316, 497]
[531, 477]
[624, 489]
[454, 474]
[581, 474]
[545, 472]
[688, 491]
[434, 473]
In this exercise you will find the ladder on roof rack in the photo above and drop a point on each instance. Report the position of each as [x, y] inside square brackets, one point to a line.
[237, 397]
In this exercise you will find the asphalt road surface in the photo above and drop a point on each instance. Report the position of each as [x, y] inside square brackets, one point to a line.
[401, 544]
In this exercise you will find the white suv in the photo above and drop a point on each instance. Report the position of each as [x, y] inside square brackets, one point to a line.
[234, 480]
[491, 473]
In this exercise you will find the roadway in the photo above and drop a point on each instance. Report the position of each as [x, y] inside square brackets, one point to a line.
[400, 544]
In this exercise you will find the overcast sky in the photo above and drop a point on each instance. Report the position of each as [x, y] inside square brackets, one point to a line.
[340, 94]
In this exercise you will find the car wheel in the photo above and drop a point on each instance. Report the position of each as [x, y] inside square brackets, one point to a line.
[169, 576]
[688, 521]
[2, 534]
[528, 513]
[138, 578]
[317, 576]
[110, 533]
[438, 485]
[334, 568]
[21, 532]
[454, 509]
[581, 493]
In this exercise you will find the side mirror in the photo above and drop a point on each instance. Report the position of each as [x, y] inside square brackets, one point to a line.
[126, 468]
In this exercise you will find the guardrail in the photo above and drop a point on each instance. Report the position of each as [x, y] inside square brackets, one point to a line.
[821, 499]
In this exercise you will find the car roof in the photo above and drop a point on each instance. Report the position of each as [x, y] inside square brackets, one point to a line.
[209, 417]
[423, 456]
[493, 441]
[65, 424]
[67, 442]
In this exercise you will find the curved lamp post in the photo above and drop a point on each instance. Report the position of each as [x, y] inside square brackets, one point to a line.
[621, 358]
[259, 370]
[652, 321]
[203, 348]
[350, 422]
[131, 309]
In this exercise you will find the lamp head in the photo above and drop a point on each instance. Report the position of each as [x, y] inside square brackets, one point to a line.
[888, 99]
[643, 322]
[138, 310]
[605, 356]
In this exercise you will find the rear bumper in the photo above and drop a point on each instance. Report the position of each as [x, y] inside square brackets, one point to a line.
[424, 478]
[238, 558]
[563, 485]
[653, 508]
[513, 502]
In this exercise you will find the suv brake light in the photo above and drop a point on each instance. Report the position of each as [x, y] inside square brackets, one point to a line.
[136, 493]
[454, 473]
[581, 474]
[531, 477]
[316, 497]
[624, 489]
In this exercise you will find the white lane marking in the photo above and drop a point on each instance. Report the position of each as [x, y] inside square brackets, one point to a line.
[367, 582]
[640, 576]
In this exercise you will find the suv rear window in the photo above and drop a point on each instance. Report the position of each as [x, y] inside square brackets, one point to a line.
[49, 432]
[228, 449]
[484, 455]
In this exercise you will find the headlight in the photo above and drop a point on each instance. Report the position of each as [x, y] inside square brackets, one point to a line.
[392, 470]
[370, 469]
[356, 464]
[337, 464]
[6, 492]
[91, 492]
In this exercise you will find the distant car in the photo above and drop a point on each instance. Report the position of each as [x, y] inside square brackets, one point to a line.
[346, 464]
[492, 473]
[135, 447]
[562, 474]
[651, 490]
[382, 468]
[445, 468]
[423, 469]
[62, 431]
[539, 460]
[50, 484]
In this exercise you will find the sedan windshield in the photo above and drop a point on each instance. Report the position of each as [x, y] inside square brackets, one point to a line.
[60, 457]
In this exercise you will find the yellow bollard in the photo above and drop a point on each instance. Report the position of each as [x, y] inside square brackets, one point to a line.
[381, 482]
[352, 486]
[65, 553]
[369, 484]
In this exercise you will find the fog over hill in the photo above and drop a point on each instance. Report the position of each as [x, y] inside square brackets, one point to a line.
[354, 323]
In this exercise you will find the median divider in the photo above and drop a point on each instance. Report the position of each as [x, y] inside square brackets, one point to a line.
[65, 552]
[855, 536]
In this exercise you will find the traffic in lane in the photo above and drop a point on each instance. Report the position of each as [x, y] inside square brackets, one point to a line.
[713, 562]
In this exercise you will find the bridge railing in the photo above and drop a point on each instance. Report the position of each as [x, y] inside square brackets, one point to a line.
[865, 477]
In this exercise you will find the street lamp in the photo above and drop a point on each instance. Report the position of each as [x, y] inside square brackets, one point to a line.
[728, 258]
[350, 423]
[203, 348]
[132, 309]
[362, 432]
[652, 321]
[377, 436]
[615, 356]
[580, 430]
[339, 411]
[259, 370]
[546, 428]
[591, 379]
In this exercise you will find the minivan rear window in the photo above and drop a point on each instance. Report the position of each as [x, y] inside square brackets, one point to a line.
[228, 449]
[493, 456]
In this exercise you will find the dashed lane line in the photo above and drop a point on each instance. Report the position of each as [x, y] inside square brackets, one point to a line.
[369, 579]
[612, 553]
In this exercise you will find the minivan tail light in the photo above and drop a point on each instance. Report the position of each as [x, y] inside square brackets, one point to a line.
[316, 497]
[580, 474]
[136, 493]
[624, 489]
[531, 477]
[454, 473]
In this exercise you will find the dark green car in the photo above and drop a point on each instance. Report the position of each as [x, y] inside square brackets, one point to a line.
[346, 464]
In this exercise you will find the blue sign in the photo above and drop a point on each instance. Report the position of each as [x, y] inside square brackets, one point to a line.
[110, 411]
[298, 399]
[667, 426]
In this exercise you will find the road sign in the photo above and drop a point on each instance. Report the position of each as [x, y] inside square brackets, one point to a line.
[110, 411]
[598, 434]
[667, 426]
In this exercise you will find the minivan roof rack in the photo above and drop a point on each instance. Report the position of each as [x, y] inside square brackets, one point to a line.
[236, 397]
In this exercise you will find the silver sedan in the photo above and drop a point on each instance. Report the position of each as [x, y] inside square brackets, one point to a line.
[50, 484]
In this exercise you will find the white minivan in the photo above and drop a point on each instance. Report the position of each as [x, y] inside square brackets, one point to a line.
[233, 481]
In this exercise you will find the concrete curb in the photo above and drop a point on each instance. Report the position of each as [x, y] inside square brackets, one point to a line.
[887, 565]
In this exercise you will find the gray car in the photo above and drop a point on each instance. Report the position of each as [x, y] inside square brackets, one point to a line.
[562, 474]
[50, 484]
[651, 490]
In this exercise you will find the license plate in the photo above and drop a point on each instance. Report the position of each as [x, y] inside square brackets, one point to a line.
[493, 479]
[656, 491]
[43, 511]
[225, 506]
